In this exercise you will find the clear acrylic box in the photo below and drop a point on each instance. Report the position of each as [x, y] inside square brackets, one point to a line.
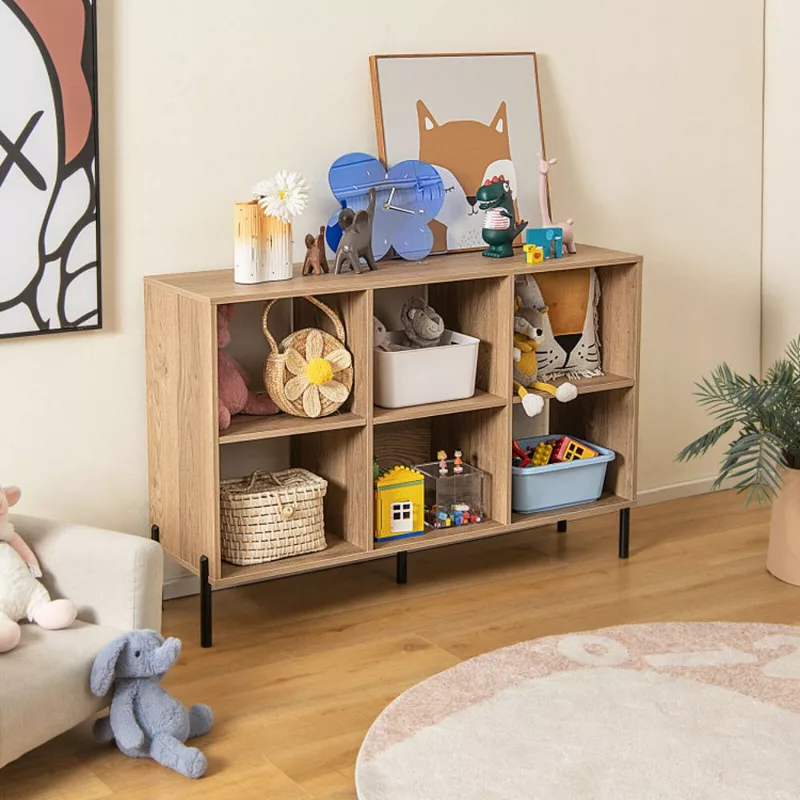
[453, 499]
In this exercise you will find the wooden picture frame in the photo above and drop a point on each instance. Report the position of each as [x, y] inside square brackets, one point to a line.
[471, 115]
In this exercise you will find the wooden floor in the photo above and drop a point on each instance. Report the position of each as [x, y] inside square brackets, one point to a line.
[302, 666]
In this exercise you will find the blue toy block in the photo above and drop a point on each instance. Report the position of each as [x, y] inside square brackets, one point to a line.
[551, 240]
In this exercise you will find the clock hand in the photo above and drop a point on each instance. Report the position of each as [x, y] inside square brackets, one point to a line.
[389, 207]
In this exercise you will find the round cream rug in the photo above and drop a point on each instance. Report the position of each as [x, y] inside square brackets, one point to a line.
[697, 711]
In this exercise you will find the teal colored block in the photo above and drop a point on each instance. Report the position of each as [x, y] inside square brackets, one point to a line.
[551, 240]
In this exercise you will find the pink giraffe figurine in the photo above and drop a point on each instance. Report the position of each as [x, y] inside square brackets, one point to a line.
[568, 234]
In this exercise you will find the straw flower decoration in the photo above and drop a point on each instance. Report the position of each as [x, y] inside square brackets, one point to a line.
[315, 375]
[284, 196]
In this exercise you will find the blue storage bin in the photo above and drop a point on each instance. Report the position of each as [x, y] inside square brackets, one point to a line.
[557, 485]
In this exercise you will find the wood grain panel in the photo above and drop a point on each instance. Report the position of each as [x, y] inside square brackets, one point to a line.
[485, 439]
[481, 399]
[607, 419]
[344, 459]
[183, 459]
[407, 443]
[620, 319]
[484, 309]
[217, 286]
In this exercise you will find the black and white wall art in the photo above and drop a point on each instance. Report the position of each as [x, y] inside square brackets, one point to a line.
[49, 226]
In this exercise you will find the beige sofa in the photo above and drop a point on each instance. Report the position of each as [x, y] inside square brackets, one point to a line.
[115, 580]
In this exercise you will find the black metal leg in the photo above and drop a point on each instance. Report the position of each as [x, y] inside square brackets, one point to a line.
[155, 533]
[402, 568]
[624, 532]
[205, 604]
[562, 526]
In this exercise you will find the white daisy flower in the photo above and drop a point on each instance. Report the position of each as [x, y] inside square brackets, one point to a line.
[284, 196]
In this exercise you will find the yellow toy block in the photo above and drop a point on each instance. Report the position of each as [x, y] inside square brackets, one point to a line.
[534, 253]
[541, 455]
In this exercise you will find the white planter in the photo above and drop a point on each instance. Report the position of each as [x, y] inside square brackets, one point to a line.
[426, 375]
[783, 557]
[263, 246]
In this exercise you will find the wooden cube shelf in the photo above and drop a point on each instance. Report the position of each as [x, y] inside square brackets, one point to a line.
[475, 296]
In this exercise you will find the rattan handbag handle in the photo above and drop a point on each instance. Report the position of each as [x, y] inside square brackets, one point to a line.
[273, 345]
[329, 313]
[254, 477]
[286, 511]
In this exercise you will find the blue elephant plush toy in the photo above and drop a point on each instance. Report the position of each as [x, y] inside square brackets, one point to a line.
[145, 721]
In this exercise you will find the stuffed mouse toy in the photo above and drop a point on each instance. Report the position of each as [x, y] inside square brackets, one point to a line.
[21, 594]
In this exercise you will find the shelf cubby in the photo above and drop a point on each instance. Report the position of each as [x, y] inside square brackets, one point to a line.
[479, 401]
[249, 429]
[187, 455]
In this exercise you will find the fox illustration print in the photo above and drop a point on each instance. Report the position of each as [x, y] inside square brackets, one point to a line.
[466, 153]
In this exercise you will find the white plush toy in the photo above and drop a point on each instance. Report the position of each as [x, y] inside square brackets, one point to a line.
[21, 595]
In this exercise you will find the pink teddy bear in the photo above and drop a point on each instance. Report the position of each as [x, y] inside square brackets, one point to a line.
[21, 595]
[234, 394]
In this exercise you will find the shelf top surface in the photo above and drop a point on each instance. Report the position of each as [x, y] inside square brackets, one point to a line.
[217, 286]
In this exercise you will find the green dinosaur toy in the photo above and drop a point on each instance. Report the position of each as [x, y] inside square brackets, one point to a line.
[500, 226]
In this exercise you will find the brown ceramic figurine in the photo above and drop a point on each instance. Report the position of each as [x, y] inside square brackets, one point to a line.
[356, 241]
[315, 262]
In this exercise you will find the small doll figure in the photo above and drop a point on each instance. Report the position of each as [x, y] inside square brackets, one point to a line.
[442, 458]
[458, 464]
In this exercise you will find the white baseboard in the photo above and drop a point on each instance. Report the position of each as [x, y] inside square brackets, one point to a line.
[675, 491]
[187, 585]
[181, 586]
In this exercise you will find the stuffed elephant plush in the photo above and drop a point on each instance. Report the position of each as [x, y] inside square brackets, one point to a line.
[144, 720]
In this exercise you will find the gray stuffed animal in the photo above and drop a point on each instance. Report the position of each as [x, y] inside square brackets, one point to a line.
[423, 326]
[144, 719]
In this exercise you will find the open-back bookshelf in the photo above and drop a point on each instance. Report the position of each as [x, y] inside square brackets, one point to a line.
[475, 296]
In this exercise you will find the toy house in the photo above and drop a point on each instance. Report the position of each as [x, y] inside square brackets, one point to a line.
[399, 504]
[570, 450]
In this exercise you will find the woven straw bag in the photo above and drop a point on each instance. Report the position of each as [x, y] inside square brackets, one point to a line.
[311, 373]
[272, 515]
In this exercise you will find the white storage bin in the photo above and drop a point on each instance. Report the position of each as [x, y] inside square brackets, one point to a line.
[428, 374]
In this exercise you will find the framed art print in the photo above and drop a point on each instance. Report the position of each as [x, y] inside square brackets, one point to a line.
[49, 226]
[473, 117]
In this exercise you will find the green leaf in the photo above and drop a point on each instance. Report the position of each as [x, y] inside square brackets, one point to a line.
[703, 444]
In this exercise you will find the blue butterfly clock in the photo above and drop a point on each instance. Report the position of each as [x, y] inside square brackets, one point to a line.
[408, 197]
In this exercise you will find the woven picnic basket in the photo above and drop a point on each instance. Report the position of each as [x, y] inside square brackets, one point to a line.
[310, 374]
[272, 515]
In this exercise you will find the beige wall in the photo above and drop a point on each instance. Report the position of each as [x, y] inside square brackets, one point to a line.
[653, 110]
[781, 277]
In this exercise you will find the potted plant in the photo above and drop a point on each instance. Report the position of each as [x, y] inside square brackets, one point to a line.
[763, 459]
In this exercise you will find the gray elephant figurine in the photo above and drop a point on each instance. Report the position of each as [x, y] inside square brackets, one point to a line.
[144, 720]
[356, 241]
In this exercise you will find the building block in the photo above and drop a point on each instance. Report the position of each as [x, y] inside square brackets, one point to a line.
[534, 253]
[551, 240]
[542, 454]
[570, 450]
